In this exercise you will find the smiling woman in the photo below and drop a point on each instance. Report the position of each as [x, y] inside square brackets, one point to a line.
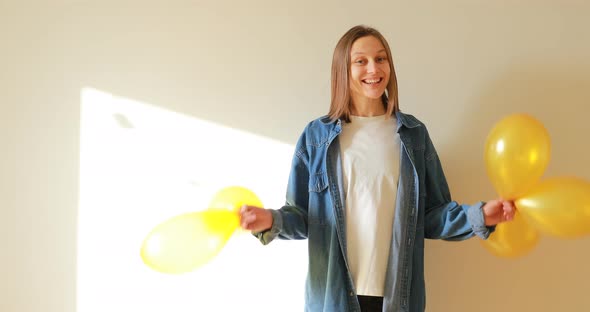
[369, 76]
[263, 66]
[366, 188]
[362, 70]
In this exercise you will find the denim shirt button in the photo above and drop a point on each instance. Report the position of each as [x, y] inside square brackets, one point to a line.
[351, 294]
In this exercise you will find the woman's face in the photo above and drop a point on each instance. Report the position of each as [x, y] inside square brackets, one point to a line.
[369, 69]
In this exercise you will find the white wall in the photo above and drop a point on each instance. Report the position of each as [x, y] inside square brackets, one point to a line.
[263, 67]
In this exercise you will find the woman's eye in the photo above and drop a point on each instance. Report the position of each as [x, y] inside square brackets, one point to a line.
[359, 61]
[381, 59]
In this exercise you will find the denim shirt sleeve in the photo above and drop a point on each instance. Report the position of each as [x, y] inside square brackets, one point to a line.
[290, 221]
[445, 218]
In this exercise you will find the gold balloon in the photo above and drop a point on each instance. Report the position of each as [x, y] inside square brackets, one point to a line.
[517, 152]
[512, 239]
[234, 197]
[558, 206]
[188, 241]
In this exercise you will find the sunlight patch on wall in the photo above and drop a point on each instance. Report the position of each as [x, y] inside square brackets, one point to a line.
[140, 165]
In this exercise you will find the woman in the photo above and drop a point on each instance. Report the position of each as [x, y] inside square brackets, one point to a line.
[366, 188]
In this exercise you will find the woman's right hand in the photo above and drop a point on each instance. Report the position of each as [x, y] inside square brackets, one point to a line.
[255, 219]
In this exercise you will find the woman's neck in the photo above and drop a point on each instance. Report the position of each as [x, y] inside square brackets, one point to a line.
[367, 107]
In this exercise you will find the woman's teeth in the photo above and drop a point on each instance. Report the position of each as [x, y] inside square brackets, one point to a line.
[372, 81]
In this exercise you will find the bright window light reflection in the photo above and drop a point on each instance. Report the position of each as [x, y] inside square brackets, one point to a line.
[500, 146]
[140, 165]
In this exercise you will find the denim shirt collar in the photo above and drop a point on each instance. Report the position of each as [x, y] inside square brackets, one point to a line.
[402, 121]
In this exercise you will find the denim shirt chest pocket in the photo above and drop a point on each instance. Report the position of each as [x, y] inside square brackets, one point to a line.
[319, 197]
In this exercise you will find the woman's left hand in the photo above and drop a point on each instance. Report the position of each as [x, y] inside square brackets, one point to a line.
[498, 211]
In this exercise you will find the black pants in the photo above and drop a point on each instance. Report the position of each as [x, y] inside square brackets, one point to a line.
[371, 303]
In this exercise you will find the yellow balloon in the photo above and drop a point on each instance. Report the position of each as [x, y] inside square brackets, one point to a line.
[512, 239]
[234, 197]
[558, 206]
[188, 241]
[517, 152]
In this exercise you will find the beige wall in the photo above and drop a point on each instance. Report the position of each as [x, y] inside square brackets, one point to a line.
[263, 66]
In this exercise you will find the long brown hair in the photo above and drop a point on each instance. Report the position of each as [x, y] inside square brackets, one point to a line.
[340, 105]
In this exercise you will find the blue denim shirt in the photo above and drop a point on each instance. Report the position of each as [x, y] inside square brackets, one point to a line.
[315, 210]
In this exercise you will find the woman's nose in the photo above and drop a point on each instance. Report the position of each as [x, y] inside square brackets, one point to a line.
[372, 67]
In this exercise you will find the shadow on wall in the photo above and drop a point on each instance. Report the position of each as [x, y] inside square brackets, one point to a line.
[558, 96]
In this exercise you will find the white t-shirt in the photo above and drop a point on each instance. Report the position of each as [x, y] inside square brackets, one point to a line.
[370, 152]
